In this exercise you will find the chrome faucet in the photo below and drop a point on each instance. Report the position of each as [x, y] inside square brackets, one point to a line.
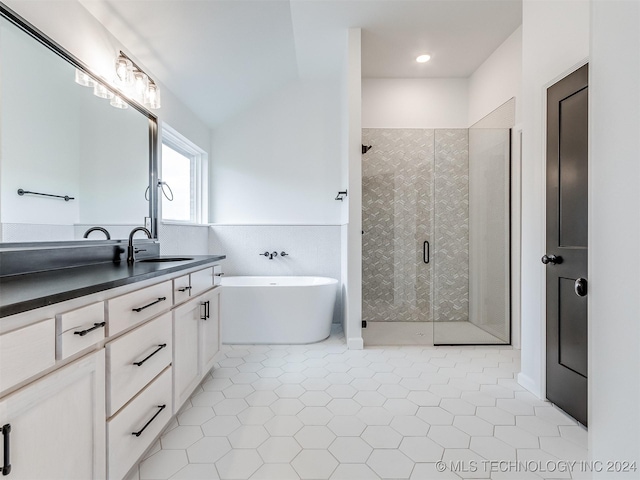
[99, 229]
[131, 258]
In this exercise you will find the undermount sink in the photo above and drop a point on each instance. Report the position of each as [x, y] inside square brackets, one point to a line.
[165, 259]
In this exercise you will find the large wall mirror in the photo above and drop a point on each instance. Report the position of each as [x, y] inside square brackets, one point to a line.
[58, 138]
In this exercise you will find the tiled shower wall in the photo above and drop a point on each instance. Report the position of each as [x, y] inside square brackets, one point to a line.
[451, 226]
[397, 212]
[415, 189]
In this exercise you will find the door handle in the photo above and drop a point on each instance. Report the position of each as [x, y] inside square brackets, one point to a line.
[426, 252]
[580, 287]
[551, 259]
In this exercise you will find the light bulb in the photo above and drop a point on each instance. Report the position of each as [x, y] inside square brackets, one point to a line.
[117, 102]
[101, 91]
[124, 71]
[423, 58]
[152, 99]
[84, 79]
[141, 85]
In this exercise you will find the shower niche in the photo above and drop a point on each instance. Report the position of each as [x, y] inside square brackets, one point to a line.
[436, 233]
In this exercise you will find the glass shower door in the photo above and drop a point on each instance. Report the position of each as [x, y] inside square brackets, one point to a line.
[397, 220]
[471, 291]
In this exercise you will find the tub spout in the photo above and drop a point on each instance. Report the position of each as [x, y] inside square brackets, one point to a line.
[273, 255]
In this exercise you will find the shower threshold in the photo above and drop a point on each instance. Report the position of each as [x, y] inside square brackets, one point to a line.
[421, 333]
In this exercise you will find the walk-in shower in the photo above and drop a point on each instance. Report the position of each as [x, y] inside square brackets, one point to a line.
[435, 240]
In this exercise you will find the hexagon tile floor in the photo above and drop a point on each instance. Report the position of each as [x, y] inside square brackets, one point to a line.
[324, 412]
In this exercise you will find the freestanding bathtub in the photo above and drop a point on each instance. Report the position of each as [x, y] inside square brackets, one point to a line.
[276, 310]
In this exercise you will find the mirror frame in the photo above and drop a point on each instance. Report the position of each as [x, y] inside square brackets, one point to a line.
[19, 22]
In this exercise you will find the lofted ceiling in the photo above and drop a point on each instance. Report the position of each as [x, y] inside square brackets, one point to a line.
[220, 56]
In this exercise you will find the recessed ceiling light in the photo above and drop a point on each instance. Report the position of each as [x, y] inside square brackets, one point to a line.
[423, 58]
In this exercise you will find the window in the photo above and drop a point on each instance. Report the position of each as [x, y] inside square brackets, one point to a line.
[184, 179]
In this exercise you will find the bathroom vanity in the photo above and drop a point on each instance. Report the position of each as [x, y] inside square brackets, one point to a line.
[95, 361]
[101, 343]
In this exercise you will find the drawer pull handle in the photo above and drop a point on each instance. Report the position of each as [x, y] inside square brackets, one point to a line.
[184, 289]
[139, 432]
[96, 326]
[160, 347]
[139, 309]
[6, 467]
[206, 306]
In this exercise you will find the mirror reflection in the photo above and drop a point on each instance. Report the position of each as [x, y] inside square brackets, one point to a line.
[59, 138]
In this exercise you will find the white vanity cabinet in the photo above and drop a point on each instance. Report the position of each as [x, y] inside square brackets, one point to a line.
[87, 385]
[196, 340]
[57, 424]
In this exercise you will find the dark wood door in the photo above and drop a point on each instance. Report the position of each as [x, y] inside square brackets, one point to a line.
[566, 255]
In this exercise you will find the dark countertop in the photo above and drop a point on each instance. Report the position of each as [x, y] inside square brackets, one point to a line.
[20, 293]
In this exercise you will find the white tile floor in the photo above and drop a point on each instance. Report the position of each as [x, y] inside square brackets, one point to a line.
[324, 412]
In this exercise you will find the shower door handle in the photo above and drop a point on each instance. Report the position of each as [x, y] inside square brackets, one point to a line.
[426, 252]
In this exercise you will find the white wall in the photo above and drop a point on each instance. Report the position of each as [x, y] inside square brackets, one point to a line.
[414, 103]
[614, 232]
[184, 240]
[280, 161]
[555, 41]
[352, 244]
[498, 79]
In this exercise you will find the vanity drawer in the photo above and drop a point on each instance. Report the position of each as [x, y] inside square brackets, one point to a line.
[26, 352]
[201, 280]
[132, 363]
[181, 289]
[79, 329]
[131, 432]
[135, 307]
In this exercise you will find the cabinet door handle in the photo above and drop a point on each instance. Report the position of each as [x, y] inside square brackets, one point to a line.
[160, 347]
[184, 289]
[426, 252]
[82, 333]
[6, 450]
[139, 432]
[139, 309]
[206, 310]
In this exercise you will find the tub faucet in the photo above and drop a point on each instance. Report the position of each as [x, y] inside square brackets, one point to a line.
[131, 257]
[270, 255]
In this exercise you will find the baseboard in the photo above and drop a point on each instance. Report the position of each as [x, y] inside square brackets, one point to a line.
[528, 383]
[355, 343]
